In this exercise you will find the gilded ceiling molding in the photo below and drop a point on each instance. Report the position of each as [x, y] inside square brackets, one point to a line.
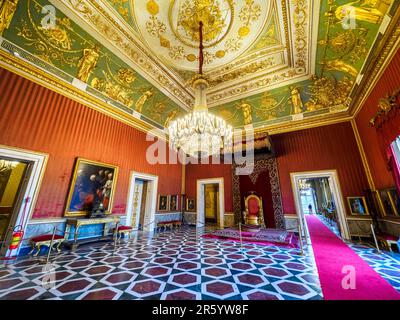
[300, 46]
[51, 82]
[249, 87]
[308, 123]
[93, 14]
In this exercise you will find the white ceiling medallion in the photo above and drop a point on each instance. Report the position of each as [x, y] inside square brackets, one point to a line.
[170, 29]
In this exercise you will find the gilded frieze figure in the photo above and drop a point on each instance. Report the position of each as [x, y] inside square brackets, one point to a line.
[295, 100]
[171, 116]
[246, 109]
[338, 65]
[142, 100]
[7, 10]
[87, 63]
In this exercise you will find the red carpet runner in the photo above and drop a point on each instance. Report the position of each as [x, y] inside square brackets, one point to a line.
[334, 259]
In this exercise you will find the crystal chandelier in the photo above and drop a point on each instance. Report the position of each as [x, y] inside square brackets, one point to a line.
[200, 134]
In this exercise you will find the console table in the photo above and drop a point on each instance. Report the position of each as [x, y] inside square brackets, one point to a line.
[78, 222]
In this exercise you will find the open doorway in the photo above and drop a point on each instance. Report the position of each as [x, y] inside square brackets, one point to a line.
[142, 201]
[21, 172]
[316, 198]
[319, 193]
[13, 178]
[216, 186]
[211, 195]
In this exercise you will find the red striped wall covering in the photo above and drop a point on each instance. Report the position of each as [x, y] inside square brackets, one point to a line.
[389, 81]
[206, 171]
[38, 119]
[322, 148]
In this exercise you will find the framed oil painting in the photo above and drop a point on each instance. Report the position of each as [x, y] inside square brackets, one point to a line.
[190, 205]
[358, 206]
[173, 202]
[92, 188]
[395, 200]
[162, 203]
[389, 201]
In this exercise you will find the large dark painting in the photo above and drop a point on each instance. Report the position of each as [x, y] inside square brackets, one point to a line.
[92, 187]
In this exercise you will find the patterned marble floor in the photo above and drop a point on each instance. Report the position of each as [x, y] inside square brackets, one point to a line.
[386, 264]
[170, 265]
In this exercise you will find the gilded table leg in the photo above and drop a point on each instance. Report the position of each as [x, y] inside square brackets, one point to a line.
[76, 234]
[33, 245]
[39, 246]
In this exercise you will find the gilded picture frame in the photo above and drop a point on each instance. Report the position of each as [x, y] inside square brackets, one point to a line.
[190, 205]
[358, 206]
[173, 202]
[389, 202]
[92, 187]
[162, 203]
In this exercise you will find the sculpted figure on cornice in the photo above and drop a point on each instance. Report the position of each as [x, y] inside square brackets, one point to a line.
[295, 100]
[246, 109]
[171, 116]
[7, 10]
[117, 87]
[142, 100]
[87, 63]
[338, 65]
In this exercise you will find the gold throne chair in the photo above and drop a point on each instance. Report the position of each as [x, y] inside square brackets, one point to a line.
[253, 214]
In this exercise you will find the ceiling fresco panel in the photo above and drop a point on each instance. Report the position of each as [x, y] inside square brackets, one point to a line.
[270, 64]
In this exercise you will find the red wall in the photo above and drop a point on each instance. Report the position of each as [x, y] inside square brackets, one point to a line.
[322, 148]
[389, 81]
[38, 119]
[205, 171]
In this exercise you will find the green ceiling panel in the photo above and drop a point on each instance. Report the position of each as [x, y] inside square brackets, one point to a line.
[62, 47]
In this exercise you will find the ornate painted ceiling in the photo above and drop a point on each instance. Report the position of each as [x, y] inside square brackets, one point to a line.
[275, 65]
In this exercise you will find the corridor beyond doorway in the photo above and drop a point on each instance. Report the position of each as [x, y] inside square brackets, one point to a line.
[317, 199]
[211, 208]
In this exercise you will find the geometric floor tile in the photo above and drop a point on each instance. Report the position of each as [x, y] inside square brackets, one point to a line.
[241, 266]
[157, 271]
[215, 272]
[276, 272]
[23, 294]
[184, 279]
[219, 289]
[181, 294]
[7, 284]
[97, 270]
[101, 294]
[258, 294]
[72, 286]
[294, 289]
[146, 288]
[117, 278]
[250, 279]
[187, 265]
